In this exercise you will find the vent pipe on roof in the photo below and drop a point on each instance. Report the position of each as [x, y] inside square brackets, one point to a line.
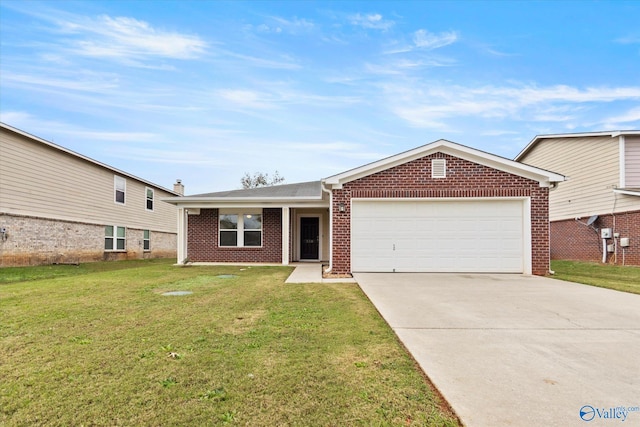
[178, 187]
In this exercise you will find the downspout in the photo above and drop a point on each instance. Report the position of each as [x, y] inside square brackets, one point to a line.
[328, 270]
[552, 186]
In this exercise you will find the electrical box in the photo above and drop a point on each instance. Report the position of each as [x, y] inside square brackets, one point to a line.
[624, 242]
[611, 248]
[605, 233]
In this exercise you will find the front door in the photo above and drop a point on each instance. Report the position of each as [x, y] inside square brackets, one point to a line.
[309, 238]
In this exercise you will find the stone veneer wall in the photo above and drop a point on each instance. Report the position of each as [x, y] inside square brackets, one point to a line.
[38, 241]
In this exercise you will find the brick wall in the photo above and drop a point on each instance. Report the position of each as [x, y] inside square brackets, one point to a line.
[464, 179]
[203, 239]
[40, 241]
[573, 240]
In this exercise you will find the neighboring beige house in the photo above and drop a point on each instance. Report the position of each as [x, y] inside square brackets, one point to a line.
[58, 206]
[602, 193]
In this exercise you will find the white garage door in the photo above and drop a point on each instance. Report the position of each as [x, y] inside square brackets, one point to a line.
[485, 236]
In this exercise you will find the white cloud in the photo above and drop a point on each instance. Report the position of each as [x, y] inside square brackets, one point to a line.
[246, 98]
[630, 118]
[86, 82]
[373, 21]
[279, 25]
[431, 106]
[425, 40]
[294, 25]
[123, 37]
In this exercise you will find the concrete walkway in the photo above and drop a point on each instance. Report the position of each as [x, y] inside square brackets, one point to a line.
[312, 273]
[513, 350]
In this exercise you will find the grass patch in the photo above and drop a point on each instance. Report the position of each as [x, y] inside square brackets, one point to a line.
[102, 346]
[22, 274]
[620, 278]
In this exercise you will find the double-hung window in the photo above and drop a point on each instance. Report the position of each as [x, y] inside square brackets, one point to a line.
[115, 238]
[146, 240]
[120, 187]
[240, 229]
[149, 194]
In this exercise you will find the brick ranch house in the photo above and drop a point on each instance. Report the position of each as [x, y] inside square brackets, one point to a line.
[441, 207]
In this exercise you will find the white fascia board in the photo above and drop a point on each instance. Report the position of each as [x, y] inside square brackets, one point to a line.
[537, 138]
[545, 178]
[627, 192]
[380, 165]
[202, 203]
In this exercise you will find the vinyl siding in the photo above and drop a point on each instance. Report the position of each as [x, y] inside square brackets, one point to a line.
[41, 181]
[592, 165]
[632, 161]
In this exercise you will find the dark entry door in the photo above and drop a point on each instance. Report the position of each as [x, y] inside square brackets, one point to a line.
[309, 238]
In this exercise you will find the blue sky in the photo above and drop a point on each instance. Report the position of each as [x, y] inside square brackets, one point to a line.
[205, 91]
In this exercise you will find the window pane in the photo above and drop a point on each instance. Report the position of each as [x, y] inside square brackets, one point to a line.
[147, 245]
[108, 244]
[108, 231]
[228, 238]
[149, 205]
[120, 183]
[253, 222]
[149, 193]
[120, 244]
[146, 234]
[120, 187]
[121, 232]
[253, 238]
[229, 222]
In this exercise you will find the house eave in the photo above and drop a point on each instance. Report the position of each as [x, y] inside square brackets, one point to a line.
[537, 138]
[627, 191]
[245, 202]
[545, 178]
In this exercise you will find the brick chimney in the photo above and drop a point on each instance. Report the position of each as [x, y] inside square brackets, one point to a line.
[178, 187]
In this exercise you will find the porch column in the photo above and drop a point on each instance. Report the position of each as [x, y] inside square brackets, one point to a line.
[182, 235]
[285, 235]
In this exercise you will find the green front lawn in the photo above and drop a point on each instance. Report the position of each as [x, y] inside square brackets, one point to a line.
[100, 345]
[621, 278]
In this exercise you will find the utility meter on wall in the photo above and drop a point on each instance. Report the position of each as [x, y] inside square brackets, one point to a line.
[605, 233]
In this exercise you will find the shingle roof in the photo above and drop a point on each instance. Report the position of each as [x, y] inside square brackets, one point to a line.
[312, 189]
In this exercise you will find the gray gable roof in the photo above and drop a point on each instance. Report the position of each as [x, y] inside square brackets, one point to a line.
[312, 189]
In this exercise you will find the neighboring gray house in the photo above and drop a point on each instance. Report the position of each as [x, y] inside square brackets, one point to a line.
[58, 206]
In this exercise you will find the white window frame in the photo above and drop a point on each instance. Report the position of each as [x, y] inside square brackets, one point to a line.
[116, 188]
[146, 241]
[115, 238]
[147, 199]
[240, 229]
[438, 168]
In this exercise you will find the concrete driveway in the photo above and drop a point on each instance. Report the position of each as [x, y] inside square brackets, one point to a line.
[513, 350]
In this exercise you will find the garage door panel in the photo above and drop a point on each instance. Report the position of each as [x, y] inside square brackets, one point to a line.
[438, 236]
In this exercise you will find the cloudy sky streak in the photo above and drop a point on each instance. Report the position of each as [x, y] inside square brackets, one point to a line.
[205, 91]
